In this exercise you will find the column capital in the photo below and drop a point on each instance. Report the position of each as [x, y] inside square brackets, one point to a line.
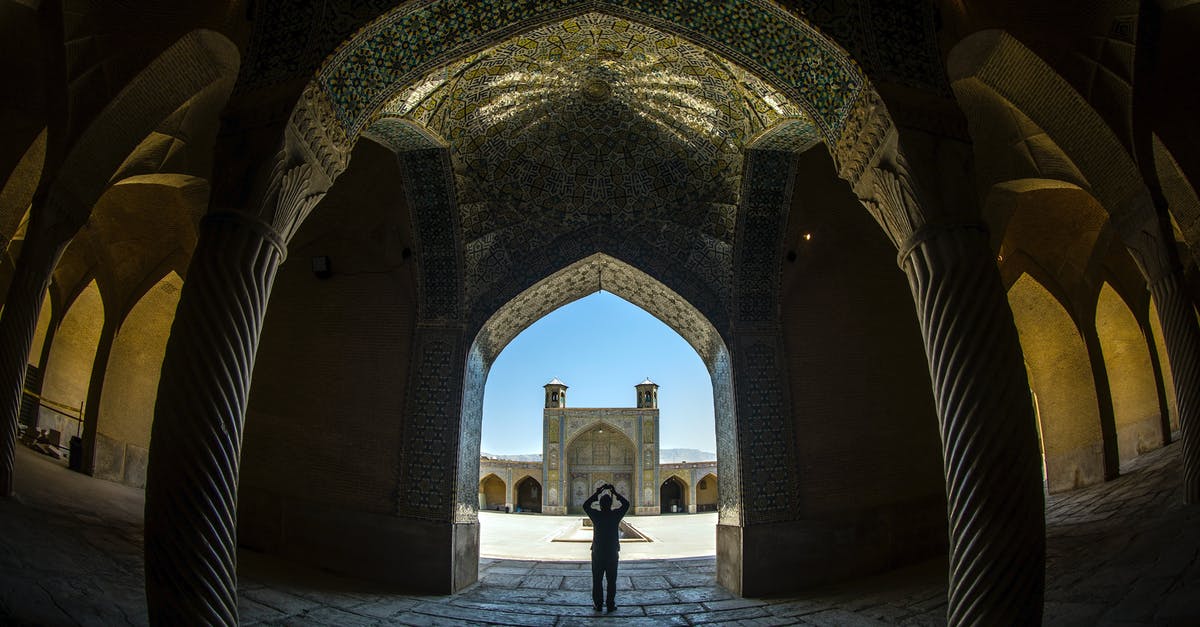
[893, 196]
[290, 190]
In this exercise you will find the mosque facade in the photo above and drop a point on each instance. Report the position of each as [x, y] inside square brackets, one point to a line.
[586, 447]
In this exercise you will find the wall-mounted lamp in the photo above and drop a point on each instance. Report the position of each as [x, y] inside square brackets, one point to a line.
[322, 267]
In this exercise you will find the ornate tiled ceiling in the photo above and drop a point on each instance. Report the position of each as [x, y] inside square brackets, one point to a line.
[593, 120]
[386, 56]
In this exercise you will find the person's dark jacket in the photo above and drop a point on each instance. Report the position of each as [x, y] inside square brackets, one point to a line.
[605, 525]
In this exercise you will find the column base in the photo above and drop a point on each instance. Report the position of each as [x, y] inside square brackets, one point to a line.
[650, 510]
[554, 510]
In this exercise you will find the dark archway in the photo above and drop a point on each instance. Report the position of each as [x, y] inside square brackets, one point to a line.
[529, 495]
[673, 496]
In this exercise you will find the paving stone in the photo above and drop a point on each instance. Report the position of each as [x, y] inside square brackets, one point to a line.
[724, 616]
[700, 595]
[623, 621]
[840, 618]
[445, 610]
[283, 602]
[735, 603]
[652, 582]
[671, 609]
[251, 612]
[541, 582]
[334, 616]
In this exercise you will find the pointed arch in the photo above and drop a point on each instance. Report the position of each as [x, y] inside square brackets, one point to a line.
[1060, 376]
[528, 491]
[673, 495]
[126, 410]
[492, 492]
[1130, 376]
[706, 493]
[573, 282]
[68, 368]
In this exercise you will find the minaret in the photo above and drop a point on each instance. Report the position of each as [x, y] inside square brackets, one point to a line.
[647, 394]
[556, 394]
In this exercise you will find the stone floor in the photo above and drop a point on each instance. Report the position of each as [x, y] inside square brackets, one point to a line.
[1122, 553]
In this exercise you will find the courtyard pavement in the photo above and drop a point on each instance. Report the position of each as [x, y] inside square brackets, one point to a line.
[1126, 552]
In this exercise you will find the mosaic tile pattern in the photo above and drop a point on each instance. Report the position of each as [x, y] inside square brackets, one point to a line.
[767, 197]
[360, 77]
[764, 427]
[595, 120]
[765, 434]
[431, 195]
[293, 37]
[431, 427]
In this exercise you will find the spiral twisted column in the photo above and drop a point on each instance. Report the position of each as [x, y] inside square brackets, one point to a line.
[1181, 335]
[989, 439]
[22, 307]
[195, 447]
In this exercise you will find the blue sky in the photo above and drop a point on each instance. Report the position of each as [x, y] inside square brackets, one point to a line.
[600, 346]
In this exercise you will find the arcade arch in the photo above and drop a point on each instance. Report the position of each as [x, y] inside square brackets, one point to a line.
[673, 495]
[126, 410]
[1130, 376]
[1060, 375]
[68, 368]
[528, 495]
[706, 494]
[492, 493]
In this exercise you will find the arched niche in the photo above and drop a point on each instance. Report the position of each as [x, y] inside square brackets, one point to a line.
[492, 493]
[528, 494]
[1130, 376]
[131, 385]
[595, 456]
[673, 495]
[706, 493]
[1060, 376]
[68, 368]
[1160, 350]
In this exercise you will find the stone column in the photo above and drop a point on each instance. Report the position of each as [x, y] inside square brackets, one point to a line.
[1181, 335]
[91, 408]
[989, 437]
[18, 323]
[191, 490]
[990, 451]
[1145, 228]
[1104, 401]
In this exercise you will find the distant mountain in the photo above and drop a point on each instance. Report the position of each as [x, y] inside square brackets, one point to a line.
[529, 457]
[675, 455]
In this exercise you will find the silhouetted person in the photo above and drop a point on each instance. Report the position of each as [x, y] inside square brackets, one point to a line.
[606, 542]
